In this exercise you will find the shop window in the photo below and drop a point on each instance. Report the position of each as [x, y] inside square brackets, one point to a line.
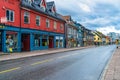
[61, 43]
[26, 17]
[10, 15]
[44, 42]
[36, 40]
[11, 41]
[57, 43]
[38, 20]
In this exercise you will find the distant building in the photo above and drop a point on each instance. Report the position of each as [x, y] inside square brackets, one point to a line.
[88, 39]
[99, 39]
[71, 32]
[114, 36]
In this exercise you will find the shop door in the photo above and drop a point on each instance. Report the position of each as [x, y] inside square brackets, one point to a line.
[51, 42]
[25, 42]
[0, 41]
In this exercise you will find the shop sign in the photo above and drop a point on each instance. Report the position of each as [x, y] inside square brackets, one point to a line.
[61, 37]
[57, 37]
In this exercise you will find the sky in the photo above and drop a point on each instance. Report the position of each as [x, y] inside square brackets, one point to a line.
[101, 15]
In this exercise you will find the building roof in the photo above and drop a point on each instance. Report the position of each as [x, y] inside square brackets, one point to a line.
[37, 1]
[67, 18]
[36, 7]
[50, 4]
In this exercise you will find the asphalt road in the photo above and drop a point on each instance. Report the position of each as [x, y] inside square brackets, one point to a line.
[86, 64]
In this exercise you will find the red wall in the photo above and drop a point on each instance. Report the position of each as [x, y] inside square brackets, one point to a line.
[43, 18]
[12, 5]
[15, 6]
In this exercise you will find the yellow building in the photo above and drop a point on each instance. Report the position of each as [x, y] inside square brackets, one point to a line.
[97, 38]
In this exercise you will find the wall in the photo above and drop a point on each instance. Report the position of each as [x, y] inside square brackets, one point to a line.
[12, 5]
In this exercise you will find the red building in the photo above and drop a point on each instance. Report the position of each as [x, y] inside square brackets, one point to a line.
[32, 25]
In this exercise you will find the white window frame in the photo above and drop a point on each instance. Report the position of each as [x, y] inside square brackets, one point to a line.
[28, 15]
[9, 19]
[55, 25]
[47, 23]
[43, 7]
[38, 18]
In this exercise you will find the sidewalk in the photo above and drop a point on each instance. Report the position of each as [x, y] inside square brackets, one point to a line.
[36, 53]
[113, 70]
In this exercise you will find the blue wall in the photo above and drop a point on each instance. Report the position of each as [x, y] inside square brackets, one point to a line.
[31, 32]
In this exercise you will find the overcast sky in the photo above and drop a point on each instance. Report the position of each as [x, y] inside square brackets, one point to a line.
[102, 15]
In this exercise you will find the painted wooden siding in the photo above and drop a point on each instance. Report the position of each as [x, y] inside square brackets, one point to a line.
[11, 5]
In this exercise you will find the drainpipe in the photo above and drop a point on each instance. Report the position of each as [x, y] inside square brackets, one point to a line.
[20, 26]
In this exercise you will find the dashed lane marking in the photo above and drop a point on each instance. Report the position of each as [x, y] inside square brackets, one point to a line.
[9, 70]
[44, 61]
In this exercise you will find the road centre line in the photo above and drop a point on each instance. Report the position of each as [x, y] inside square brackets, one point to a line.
[39, 62]
[63, 56]
[44, 61]
[9, 70]
[48, 60]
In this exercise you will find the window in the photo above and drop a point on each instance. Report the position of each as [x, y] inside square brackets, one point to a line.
[30, 1]
[47, 23]
[61, 26]
[69, 30]
[11, 41]
[36, 40]
[43, 5]
[44, 40]
[38, 20]
[98, 38]
[10, 15]
[55, 25]
[26, 17]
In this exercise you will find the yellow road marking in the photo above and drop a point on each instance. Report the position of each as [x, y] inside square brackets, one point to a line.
[75, 54]
[44, 61]
[9, 70]
[64, 56]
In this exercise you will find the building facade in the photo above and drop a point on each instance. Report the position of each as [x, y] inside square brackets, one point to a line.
[71, 32]
[80, 34]
[31, 25]
[88, 39]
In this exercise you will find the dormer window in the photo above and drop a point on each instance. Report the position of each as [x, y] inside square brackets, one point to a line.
[53, 9]
[43, 8]
[30, 1]
[43, 5]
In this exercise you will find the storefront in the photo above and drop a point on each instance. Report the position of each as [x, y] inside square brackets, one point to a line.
[14, 39]
[59, 42]
[0, 41]
[11, 41]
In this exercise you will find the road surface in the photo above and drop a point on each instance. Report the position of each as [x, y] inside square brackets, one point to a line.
[86, 64]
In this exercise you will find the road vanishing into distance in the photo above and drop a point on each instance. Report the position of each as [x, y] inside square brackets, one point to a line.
[85, 64]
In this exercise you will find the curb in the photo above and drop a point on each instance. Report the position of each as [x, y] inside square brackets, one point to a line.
[107, 65]
[47, 53]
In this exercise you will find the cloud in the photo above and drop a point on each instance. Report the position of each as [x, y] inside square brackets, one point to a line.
[93, 14]
[107, 29]
[84, 7]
